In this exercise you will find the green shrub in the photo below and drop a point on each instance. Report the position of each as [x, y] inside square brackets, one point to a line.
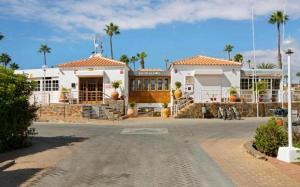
[178, 84]
[16, 114]
[115, 84]
[269, 137]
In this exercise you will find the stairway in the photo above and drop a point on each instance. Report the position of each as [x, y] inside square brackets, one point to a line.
[183, 108]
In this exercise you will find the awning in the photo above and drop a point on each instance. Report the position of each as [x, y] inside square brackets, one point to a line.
[94, 73]
[208, 72]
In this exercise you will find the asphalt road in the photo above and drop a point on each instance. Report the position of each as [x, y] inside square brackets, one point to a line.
[152, 152]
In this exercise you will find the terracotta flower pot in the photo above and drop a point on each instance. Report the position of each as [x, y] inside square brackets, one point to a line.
[279, 121]
[233, 98]
[62, 98]
[165, 112]
[131, 112]
[178, 94]
[115, 95]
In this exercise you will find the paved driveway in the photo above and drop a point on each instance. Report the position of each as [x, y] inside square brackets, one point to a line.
[148, 152]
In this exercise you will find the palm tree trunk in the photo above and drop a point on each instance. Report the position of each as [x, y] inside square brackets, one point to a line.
[278, 47]
[134, 66]
[228, 55]
[142, 64]
[111, 49]
[45, 61]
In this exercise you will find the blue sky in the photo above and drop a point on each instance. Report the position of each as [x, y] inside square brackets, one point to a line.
[163, 29]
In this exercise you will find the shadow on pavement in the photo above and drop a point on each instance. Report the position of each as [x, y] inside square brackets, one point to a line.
[40, 144]
[16, 177]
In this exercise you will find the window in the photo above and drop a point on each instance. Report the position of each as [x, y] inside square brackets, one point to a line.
[47, 85]
[55, 85]
[152, 84]
[276, 84]
[159, 84]
[132, 85]
[244, 84]
[268, 81]
[146, 84]
[37, 86]
[189, 80]
[166, 84]
[139, 84]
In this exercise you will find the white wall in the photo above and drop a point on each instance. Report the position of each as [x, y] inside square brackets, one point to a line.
[205, 86]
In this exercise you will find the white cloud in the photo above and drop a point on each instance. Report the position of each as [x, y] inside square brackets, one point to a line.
[91, 15]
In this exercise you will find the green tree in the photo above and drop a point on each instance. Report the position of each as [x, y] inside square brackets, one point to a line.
[111, 29]
[14, 66]
[5, 59]
[249, 63]
[125, 59]
[266, 66]
[228, 48]
[1, 36]
[278, 18]
[141, 56]
[133, 60]
[238, 58]
[298, 75]
[167, 63]
[44, 49]
[16, 114]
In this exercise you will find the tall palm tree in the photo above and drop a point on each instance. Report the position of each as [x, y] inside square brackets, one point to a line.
[14, 66]
[5, 59]
[133, 60]
[266, 66]
[125, 59]
[111, 29]
[44, 49]
[238, 58]
[249, 63]
[167, 63]
[141, 56]
[228, 48]
[278, 18]
[298, 75]
[1, 36]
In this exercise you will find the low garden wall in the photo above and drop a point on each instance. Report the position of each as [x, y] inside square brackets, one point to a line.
[246, 109]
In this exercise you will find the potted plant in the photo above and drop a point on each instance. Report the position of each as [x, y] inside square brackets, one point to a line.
[63, 94]
[279, 121]
[261, 87]
[115, 94]
[233, 94]
[131, 112]
[165, 110]
[178, 93]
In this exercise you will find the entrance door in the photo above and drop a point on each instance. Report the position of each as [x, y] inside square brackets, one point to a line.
[90, 90]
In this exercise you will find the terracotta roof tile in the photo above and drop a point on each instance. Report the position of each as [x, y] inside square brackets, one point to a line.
[203, 60]
[92, 61]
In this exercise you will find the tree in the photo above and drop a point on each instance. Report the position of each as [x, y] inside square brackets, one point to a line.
[14, 66]
[266, 66]
[133, 60]
[167, 63]
[228, 48]
[238, 58]
[44, 49]
[278, 18]
[125, 59]
[5, 59]
[298, 75]
[141, 56]
[1, 36]
[249, 63]
[111, 29]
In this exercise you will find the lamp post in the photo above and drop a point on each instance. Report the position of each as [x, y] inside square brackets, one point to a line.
[290, 153]
[44, 67]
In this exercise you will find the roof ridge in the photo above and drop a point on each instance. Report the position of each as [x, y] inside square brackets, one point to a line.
[96, 58]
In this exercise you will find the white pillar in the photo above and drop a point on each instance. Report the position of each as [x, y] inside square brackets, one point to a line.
[289, 103]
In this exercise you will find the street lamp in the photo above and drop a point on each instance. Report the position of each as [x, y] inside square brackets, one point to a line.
[290, 153]
[44, 67]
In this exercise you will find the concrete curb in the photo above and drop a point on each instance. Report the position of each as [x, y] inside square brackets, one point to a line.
[252, 151]
[6, 164]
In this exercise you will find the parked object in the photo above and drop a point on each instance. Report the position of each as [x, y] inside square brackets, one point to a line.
[178, 92]
[131, 111]
[236, 113]
[165, 110]
[222, 113]
[204, 111]
[115, 94]
[233, 94]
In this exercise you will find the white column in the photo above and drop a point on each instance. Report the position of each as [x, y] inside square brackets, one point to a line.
[289, 103]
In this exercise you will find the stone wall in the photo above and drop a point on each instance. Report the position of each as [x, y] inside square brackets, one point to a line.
[194, 110]
[119, 105]
[60, 111]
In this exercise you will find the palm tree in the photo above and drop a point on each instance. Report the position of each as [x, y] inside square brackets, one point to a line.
[1, 36]
[125, 59]
[238, 58]
[298, 75]
[228, 48]
[44, 49]
[167, 63]
[14, 66]
[133, 60]
[249, 63]
[111, 29]
[5, 59]
[278, 18]
[141, 56]
[266, 66]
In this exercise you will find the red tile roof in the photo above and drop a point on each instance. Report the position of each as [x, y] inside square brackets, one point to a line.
[96, 60]
[204, 60]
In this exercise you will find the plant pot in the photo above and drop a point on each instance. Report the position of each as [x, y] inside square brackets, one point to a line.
[178, 94]
[115, 95]
[62, 98]
[122, 97]
[233, 98]
[279, 122]
[131, 112]
[165, 112]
